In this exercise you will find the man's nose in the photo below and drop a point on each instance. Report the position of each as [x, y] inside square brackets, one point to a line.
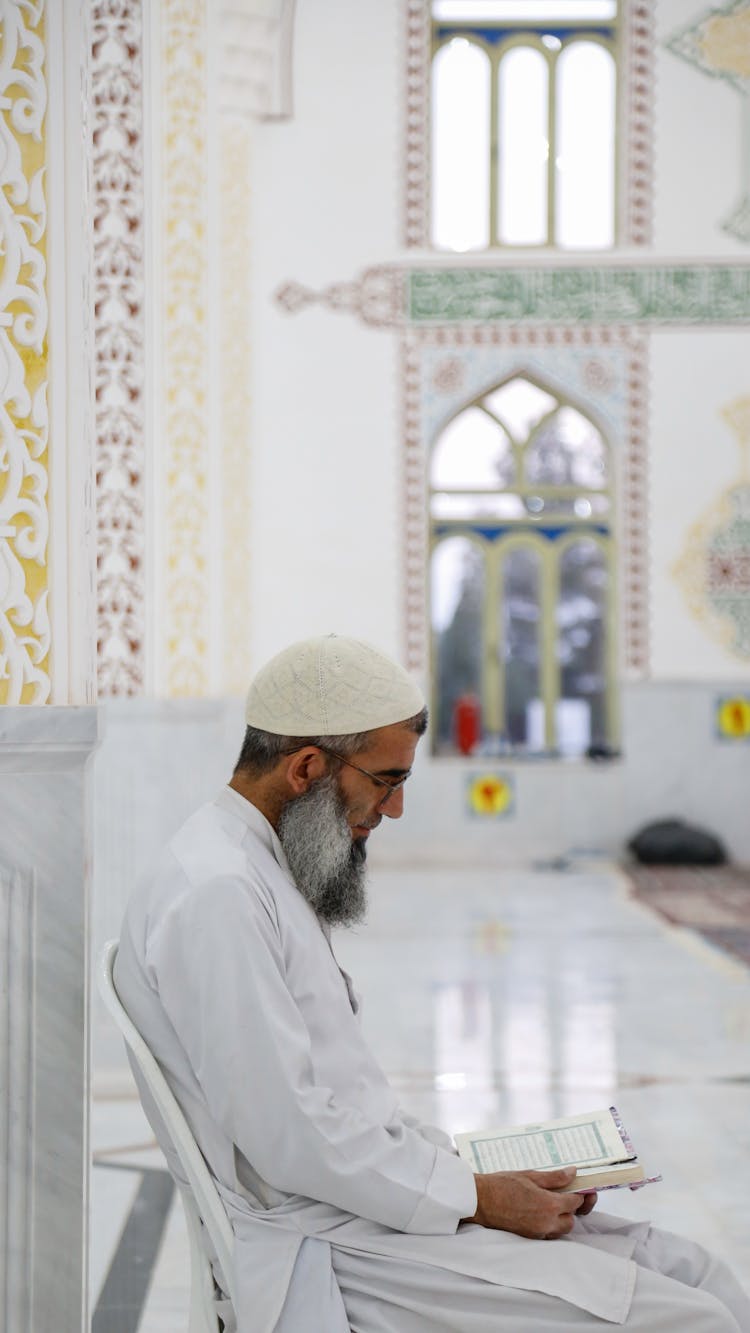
[392, 805]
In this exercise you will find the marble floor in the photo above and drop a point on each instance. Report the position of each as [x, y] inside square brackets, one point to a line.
[521, 994]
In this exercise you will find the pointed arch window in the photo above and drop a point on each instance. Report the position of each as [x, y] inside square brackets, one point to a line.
[522, 589]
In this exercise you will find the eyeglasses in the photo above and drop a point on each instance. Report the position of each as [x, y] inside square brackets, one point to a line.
[391, 787]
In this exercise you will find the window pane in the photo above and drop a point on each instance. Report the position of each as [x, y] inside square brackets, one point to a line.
[451, 505]
[457, 594]
[585, 164]
[520, 405]
[460, 146]
[581, 648]
[519, 616]
[567, 451]
[473, 451]
[523, 147]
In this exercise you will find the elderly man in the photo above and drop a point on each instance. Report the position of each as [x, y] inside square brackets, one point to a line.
[347, 1212]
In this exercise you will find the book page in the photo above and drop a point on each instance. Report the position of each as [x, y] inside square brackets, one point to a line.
[591, 1139]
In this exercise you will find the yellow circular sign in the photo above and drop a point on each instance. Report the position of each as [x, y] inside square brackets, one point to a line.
[490, 794]
[734, 717]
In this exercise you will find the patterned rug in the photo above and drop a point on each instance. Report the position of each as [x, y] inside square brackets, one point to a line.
[714, 901]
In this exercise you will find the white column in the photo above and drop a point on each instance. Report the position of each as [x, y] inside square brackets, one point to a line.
[44, 869]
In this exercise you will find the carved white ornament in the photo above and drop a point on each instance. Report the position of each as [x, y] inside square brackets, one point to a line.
[236, 294]
[256, 57]
[186, 351]
[24, 520]
[117, 137]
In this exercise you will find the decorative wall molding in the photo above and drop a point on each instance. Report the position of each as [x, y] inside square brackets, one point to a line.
[377, 297]
[416, 129]
[637, 99]
[444, 367]
[185, 623]
[636, 78]
[17, 1060]
[24, 420]
[256, 57]
[611, 293]
[235, 408]
[118, 226]
[392, 296]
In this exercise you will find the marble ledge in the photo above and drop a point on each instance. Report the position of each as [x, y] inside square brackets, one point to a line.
[47, 739]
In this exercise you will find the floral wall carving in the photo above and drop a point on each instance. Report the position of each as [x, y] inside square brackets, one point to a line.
[118, 234]
[186, 591]
[24, 423]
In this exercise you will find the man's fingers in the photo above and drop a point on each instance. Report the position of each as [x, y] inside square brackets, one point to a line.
[563, 1228]
[553, 1180]
[571, 1203]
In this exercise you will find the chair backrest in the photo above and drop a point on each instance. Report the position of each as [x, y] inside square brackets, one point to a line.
[202, 1202]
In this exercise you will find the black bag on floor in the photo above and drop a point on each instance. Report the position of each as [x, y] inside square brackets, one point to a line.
[671, 842]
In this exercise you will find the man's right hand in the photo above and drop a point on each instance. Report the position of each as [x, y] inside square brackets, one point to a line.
[530, 1203]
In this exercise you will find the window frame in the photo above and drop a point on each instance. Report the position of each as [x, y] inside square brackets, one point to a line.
[530, 35]
[528, 534]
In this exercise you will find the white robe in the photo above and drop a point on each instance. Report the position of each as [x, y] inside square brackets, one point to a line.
[227, 973]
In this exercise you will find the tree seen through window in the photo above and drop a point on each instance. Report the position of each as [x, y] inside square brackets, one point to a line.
[522, 590]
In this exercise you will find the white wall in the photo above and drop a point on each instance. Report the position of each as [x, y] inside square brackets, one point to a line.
[325, 390]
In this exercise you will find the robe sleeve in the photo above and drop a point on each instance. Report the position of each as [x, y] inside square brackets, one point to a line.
[217, 960]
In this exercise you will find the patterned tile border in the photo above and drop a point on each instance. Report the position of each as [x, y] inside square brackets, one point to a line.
[642, 294]
[633, 500]
[117, 154]
[637, 66]
[416, 142]
[635, 134]
[393, 295]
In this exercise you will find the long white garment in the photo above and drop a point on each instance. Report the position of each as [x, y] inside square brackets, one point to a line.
[226, 971]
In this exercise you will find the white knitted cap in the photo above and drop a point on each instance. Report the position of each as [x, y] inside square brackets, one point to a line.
[330, 686]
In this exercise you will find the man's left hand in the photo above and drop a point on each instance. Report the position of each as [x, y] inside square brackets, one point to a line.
[589, 1202]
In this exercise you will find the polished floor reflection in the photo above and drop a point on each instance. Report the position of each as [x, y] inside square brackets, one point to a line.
[495, 997]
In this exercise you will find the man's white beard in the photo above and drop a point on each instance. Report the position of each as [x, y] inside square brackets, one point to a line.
[327, 864]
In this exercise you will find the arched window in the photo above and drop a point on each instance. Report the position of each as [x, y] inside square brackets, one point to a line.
[522, 573]
[523, 109]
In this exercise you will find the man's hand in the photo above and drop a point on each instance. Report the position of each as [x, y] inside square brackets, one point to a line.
[530, 1203]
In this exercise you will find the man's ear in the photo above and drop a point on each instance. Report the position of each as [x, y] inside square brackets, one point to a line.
[305, 767]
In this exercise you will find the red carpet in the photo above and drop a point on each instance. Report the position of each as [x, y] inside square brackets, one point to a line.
[712, 900]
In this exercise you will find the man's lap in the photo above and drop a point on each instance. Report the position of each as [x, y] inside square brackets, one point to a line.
[383, 1294]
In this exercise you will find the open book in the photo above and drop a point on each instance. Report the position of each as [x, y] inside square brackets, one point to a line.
[595, 1142]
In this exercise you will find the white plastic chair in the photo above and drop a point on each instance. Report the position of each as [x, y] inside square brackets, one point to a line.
[202, 1202]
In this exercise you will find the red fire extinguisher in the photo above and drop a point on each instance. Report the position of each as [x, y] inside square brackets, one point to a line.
[467, 722]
